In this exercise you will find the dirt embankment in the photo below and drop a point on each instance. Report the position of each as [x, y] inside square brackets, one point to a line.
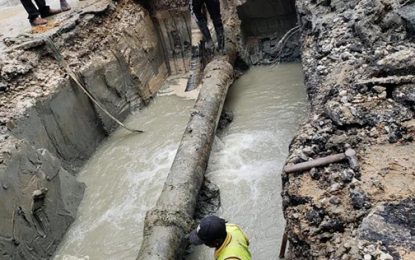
[359, 64]
[48, 127]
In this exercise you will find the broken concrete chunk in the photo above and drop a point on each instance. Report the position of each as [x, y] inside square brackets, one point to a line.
[408, 15]
[397, 63]
[341, 114]
[392, 224]
[367, 113]
[359, 199]
[405, 94]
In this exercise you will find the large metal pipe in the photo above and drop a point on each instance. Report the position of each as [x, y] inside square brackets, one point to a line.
[166, 225]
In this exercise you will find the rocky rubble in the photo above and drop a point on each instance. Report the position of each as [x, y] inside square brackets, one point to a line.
[358, 59]
[270, 50]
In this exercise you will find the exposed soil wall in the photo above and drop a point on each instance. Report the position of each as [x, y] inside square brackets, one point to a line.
[359, 71]
[39, 200]
[49, 127]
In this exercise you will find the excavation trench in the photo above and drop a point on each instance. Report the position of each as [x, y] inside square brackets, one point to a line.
[126, 175]
[358, 64]
[135, 192]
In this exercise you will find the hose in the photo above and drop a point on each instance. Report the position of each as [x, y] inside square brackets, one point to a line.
[58, 56]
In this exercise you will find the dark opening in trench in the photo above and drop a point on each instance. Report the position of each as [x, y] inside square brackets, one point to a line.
[267, 29]
[267, 17]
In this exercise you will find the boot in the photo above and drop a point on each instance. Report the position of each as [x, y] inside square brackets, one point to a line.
[38, 21]
[65, 6]
[206, 35]
[210, 47]
[220, 35]
[50, 12]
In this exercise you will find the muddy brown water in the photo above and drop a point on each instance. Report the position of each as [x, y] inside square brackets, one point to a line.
[126, 175]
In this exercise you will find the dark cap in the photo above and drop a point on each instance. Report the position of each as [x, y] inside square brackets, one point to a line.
[209, 229]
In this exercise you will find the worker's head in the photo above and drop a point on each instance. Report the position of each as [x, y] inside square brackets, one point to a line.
[211, 231]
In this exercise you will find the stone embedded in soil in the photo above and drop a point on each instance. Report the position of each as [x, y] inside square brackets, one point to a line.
[408, 15]
[347, 175]
[391, 223]
[331, 225]
[359, 199]
[315, 216]
[405, 94]
[3, 87]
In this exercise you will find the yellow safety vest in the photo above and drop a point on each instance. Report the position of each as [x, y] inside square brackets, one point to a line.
[235, 245]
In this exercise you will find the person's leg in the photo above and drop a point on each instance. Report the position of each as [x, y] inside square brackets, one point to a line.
[30, 9]
[64, 5]
[196, 8]
[33, 13]
[213, 7]
[45, 10]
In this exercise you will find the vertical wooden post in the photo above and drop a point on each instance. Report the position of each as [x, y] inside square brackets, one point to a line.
[283, 244]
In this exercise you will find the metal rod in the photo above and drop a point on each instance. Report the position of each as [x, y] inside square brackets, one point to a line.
[283, 245]
[299, 167]
[58, 56]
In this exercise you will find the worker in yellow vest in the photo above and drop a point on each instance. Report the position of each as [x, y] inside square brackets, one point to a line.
[228, 239]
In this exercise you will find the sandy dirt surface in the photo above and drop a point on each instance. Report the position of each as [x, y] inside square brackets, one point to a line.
[388, 172]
